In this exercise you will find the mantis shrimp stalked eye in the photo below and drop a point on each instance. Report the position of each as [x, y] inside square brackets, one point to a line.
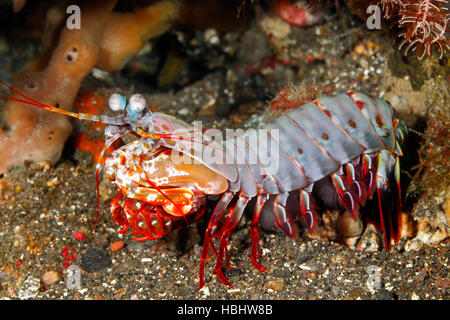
[117, 102]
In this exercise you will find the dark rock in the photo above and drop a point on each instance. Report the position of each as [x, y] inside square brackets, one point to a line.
[356, 293]
[95, 260]
[421, 276]
[335, 291]
[384, 294]
[233, 272]
[102, 240]
[303, 258]
[281, 273]
[136, 246]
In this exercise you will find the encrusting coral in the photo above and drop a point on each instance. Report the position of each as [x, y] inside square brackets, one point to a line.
[105, 40]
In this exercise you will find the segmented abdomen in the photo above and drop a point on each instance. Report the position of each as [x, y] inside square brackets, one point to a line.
[313, 141]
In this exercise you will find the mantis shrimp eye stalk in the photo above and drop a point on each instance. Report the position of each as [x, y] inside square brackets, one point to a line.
[117, 102]
[137, 102]
[136, 106]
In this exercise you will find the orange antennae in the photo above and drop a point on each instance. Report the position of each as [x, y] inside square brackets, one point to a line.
[44, 106]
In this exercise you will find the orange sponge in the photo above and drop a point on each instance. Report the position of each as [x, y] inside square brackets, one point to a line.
[126, 33]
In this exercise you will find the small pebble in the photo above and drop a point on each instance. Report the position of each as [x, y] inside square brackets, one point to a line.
[183, 111]
[349, 227]
[80, 236]
[335, 291]
[384, 294]
[136, 246]
[281, 273]
[275, 285]
[356, 293]
[117, 245]
[50, 277]
[29, 288]
[94, 260]
[443, 283]
[421, 276]
[302, 259]
[102, 240]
